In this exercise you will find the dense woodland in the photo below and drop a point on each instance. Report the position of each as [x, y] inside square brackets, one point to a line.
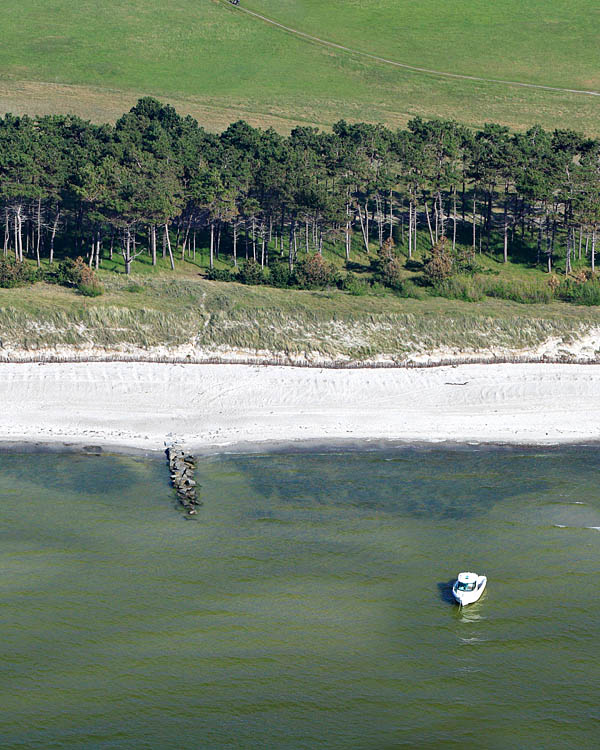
[156, 183]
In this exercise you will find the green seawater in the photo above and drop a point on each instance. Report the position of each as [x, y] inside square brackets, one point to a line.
[307, 606]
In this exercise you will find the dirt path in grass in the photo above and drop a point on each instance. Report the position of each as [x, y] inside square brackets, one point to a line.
[404, 66]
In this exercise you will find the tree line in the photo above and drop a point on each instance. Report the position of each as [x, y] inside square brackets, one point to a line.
[158, 183]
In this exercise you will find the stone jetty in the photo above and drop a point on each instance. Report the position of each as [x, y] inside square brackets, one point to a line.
[182, 466]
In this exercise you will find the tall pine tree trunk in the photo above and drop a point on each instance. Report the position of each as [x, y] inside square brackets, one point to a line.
[6, 232]
[347, 238]
[167, 244]
[235, 238]
[53, 235]
[39, 232]
[454, 219]
[505, 231]
[474, 221]
[429, 224]
[364, 229]
[127, 253]
[98, 248]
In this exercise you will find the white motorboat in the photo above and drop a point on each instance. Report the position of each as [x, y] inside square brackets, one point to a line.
[468, 588]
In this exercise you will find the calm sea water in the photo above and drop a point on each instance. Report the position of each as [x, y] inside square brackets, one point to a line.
[307, 606]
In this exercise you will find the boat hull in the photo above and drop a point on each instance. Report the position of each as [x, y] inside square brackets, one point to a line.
[463, 598]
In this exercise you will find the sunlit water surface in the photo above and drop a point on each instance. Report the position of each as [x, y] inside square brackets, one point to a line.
[306, 607]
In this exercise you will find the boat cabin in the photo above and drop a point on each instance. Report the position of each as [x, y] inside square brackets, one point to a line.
[466, 582]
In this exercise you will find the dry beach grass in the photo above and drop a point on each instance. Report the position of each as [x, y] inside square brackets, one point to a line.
[203, 319]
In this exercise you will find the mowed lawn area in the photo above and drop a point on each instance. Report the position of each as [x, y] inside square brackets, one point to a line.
[219, 63]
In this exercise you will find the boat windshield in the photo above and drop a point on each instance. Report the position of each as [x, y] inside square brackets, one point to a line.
[465, 586]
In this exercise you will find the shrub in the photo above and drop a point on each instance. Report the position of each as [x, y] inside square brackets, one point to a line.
[377, 289]
[409, 289]
[586, 293]
[65, 272]
[387, 248]
[220, 274]
[75, 272]
[14, 274]
[252, 273]
[553, 283]
[466, 288]
[585, 274]
[386, 267]
[525, 292]
[313, 272]
[390, 273]
[90, 290]
[134, 288]
[280, 274]
[353, 285]
[465, 263]
[473, 288]
[440, 264]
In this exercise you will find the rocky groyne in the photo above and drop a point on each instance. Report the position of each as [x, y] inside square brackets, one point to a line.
[182, 466]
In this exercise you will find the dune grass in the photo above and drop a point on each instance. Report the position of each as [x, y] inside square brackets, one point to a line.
[160, 311]
[219, 64]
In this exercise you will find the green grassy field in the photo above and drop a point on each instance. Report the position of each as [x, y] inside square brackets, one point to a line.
[537, 41]
[219, 64]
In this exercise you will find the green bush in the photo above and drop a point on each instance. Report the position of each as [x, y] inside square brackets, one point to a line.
[280, 275]
[14, 274]
[409, 289]
[386, 267]
[252, 273]
[220, 274]
[525, 292]
[474, 288]
[378, 290]
[440, 264]
[313, 272]
[465, 263]
[587, 293]
[90, 290]
[77, 273]
[134, 288]
[389, 272]
[66, 272]
[353, 285]
[466, 288]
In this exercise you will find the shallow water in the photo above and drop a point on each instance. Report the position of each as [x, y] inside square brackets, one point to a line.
[307, 606]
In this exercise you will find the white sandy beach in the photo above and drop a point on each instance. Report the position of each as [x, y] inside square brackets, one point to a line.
[142, 405]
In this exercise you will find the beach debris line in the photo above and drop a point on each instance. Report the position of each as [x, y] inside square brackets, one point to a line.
[182, 466]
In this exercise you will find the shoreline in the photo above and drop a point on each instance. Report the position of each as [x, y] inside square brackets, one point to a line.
[140, 408]
[269, 447]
